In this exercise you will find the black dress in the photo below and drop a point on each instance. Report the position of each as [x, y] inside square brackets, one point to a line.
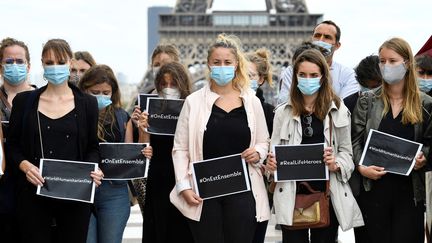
[162, 221]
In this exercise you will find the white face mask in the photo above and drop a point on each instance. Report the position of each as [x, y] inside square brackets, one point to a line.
[393, 73]
[170, 93]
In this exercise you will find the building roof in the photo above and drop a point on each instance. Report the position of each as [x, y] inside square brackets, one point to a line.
[238, 5]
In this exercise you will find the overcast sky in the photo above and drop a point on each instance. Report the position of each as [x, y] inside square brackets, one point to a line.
[115, 31]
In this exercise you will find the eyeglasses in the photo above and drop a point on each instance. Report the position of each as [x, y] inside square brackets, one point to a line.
[14, 60]
[423, 72]
[308, 131]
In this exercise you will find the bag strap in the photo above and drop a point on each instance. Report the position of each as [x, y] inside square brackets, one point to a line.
[40, 135]
[327, 191]
[4, 99]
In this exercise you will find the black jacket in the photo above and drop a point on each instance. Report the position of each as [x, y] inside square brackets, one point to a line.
[23, 132]
[268, 110]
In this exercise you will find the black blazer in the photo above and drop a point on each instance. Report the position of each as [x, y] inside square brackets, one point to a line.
[23, 132]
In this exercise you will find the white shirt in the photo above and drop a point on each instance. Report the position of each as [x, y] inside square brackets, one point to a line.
[344, 82]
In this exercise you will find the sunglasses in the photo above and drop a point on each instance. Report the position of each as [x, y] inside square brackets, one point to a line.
[14, 60]
[423, 72]
[308, 131]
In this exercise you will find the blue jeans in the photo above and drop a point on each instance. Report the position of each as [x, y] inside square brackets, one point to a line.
[112, 211]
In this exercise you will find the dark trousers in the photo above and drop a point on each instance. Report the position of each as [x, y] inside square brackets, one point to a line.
[260, 232]
[390, 213]
[319, 235]
[228, 219]
[8, 228]
[261, 228]
[163, 222]
[360, 233]
[45, 220]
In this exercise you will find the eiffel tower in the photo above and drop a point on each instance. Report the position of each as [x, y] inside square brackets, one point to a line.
[193, 25]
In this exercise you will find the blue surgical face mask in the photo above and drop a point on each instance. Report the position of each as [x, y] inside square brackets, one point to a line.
[425, 85]
[324, 45]
[103, 101]
[15, 74]
[308, 86]
[254, 85]
[222, 75]
[57, 74]
[393, 73]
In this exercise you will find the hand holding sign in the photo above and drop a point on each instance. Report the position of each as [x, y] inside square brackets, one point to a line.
[302, 162]
[147, 152]
[271, 164]
[218, 177]
[330, 160]
[32, 173]
[420, 161]
[97, 176]
[397, 155]
[69, 180]
[372, 172]
[135, 115]
[163, 115]
[191, 197]
[143, 120]
[251, 156]
[124, 161]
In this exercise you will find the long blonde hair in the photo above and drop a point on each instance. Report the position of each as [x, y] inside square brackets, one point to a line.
[232, 42]
[412, 111]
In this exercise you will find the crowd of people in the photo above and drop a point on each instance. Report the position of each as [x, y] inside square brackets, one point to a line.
[319, 101]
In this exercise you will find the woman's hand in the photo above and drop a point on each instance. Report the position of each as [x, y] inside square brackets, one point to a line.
[329, 159]
[32, 173]
[420, 161]
[191, 197]
[372, 172]
[251, 156]
[271, 164]
[143, 121]
[135, 115]
[97, 176]
[147, 152]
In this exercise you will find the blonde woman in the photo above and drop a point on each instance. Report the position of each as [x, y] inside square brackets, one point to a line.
[393, 204]
[224, 109]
